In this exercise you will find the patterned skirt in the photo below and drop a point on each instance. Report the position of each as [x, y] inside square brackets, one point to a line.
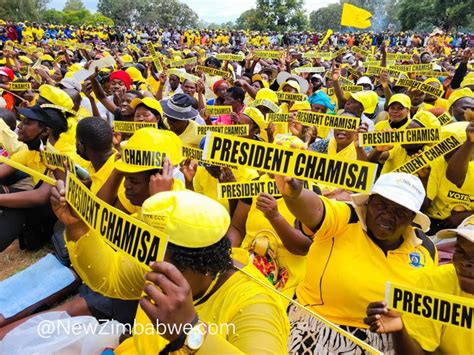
[310, 336]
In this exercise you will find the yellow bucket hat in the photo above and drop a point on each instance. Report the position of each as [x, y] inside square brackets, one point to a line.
[47, 58]
[267, 94]
[56, 96]
[368, 99]
[135, 74]
[300, 105]
[148, 102]
[141, 151]
[459, 94]
[256, 116]
[190, 219]
[426, 119]
[402, 99]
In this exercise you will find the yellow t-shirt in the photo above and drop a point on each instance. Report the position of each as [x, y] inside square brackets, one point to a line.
[436, 337]
[100, 177]
[204, 183]
[31, 159]
[385, 124]
[254, 311]
[189, 136]
[446, 196]
[257, 226]
[346, 270]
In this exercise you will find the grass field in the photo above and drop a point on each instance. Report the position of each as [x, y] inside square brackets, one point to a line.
[13, 259]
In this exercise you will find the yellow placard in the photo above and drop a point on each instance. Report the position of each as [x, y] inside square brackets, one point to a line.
[182, 62]
[444, 118]
[432, 74]
[348, 88]
[360, 51]
[218, 110]
[419, 85]
[399, 56]
[196, 154]
[348, 174]
[234, 129]
[213, 71]
[412, 67]
[264, 102]
[309, 118]
[268, 54]
[33, 173]
[87, 47]
[18, 86]
[438, 150]
[57, 160]
[278, 117]
[131, 127]
[151, 49]
[374, 70]
[406, 136]
[337, 53]
[246, 189]
[376, 63]
[290, 96]
[312, 54]
[230, 57]
[152, 159]
[308, 70]
[32, 73]
[145, 59]
[156, 63]
[134, 48]
[61, 43]
[136, 239]
[183, 75]
[342, 80]
[438, 307]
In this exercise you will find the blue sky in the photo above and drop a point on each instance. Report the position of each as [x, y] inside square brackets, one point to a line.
[208, 10]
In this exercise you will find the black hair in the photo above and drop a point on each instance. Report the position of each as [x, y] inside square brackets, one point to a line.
[136, 93]
[95, 133]
[210, 260]
[58, 122]
[9, 117]
[213, 61]
[237, 93]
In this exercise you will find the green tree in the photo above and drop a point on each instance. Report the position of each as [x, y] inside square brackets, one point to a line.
[76, 18]
[74, 5]
[99, 19]
[325, 18]
[52, 16]
[21, 10]
[166, 13]
[250, 20]
[122, 12]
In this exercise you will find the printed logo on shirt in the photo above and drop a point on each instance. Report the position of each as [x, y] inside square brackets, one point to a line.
[415, 260]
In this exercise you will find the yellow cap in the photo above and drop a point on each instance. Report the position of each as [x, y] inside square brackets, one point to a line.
[267, 94]
[148, 102]
[456, 128]
[402, 99]
[459, 94]
[47, 58]
[75, 67]
[258, 77]
[426, 119]
[368, 99]
[151, 140]
[291, 83]
[256, 116]
[56, 96]
[300, 105]
[127, 58]
[25, 59]
[289, 141]
[135, 74]
[467, 81]
[190, 219]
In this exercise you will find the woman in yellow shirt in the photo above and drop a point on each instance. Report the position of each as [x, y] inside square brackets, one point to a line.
[398, 111]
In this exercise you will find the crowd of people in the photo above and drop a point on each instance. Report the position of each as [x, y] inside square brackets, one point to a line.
[266, 263]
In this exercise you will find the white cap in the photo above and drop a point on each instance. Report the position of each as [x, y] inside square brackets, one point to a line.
[365, 80]
[3, 103]
[404, 189]
[465, 229]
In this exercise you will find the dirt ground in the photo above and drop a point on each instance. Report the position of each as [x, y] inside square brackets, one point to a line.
[13, 259]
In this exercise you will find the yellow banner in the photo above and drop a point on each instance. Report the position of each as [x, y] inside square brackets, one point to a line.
[444, 118]
[373, 70]
[399, 56]
[264, 102]
[418, 85]
[376, 63]
[438, 150]
[438, 307]
[183, 75]
[18, 86]
[182, 62]
[151, 159]
[218, 110]
[196, 154]
[136, 239]
[412, 67]
[278, 117]
[57, 160]
[406, 136]
[151, 49]
[360, 51]
[246, 189]
[33, 173]
[309, 118]
[432, 74]
[348, 174]
[313, 54]
[289, 96]
[342, 80]
[268, 54]
[348, 88]
[134, 48]
[308, 70]
[234, 129]
[213, 71]
[156, 63]
[131, 127]
[230, 57]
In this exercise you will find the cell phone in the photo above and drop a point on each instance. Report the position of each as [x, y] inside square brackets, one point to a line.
[81, 173]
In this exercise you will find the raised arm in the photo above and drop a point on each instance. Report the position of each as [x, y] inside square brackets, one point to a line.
[458, 165]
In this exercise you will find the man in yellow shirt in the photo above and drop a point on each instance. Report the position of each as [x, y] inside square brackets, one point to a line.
[417, 335]
[197, 286]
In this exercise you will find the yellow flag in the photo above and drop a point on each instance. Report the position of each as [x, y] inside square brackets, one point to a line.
[328, 34]
[353, 16]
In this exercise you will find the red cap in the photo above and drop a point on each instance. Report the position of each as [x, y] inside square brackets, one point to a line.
[7, 72]
[123, 76]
